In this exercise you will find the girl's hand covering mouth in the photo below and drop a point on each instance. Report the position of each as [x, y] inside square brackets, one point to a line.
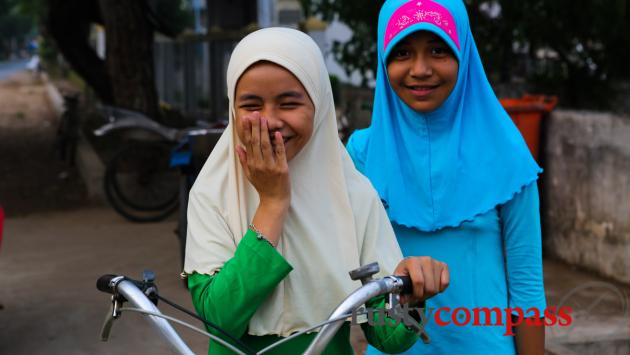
[264, 161]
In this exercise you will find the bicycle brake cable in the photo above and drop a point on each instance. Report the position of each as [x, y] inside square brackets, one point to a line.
[238, 342]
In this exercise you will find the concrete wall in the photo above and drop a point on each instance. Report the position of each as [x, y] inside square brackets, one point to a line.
[586, 183]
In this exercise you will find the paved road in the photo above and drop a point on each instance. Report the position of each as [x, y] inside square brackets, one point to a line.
[49, 264]
[10, 67]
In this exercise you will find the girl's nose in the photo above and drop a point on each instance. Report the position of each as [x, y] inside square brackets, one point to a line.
[273, 121]
[420, 67]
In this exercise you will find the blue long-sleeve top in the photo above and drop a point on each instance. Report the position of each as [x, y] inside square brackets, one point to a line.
[495, 260]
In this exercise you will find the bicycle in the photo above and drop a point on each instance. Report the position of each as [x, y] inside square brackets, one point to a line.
[144, 296]
[143, 179]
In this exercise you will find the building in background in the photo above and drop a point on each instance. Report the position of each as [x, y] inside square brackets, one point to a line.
[190, 70]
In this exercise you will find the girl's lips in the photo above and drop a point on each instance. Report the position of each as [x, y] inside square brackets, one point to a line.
[422, 90]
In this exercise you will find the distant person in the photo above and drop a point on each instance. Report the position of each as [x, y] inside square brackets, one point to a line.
[32, 47]
[33, 64]
[279, 215]
[456, 177]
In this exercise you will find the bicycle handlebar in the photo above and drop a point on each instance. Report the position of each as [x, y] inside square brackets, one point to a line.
[129, 290]
[103, 283]
[120, 285]
[371, 289]
[407, 285]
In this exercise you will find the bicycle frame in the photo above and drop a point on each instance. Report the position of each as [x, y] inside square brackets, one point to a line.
[138, 123]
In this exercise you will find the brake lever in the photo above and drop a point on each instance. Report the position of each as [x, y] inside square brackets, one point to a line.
[112, 314]
[393, 305]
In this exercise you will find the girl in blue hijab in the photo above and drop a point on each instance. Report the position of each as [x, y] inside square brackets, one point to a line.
[457, 180]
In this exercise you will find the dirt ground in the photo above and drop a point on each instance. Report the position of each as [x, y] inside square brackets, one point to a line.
[32, 177]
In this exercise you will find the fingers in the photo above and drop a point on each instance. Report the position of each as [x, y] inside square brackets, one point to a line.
[258, 142]
[265, 142]
[280, 154]
[429, 277]
[430, 287]
[242, 157]
[445, 278]
[247, 135]
[437, 271]
[412, 267]
[255, 139]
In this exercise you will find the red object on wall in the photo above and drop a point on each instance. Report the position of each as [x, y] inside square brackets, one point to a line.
[527, 113]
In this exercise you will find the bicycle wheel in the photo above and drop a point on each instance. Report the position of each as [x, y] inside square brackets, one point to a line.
[140, 184]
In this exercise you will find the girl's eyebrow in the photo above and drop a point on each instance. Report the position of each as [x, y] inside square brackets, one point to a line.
[245, 97]
[290, 94]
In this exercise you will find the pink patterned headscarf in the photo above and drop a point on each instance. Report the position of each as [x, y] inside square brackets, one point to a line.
[427, 11]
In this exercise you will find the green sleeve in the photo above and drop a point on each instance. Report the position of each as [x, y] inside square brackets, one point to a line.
[231, 297]
[390, 338]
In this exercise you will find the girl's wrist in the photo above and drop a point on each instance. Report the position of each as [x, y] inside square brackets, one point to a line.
[269, 219]
[261, 236]
[275, 206]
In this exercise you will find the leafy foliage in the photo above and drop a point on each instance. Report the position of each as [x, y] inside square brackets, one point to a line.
[359, 53]
[577, 49]
[14, 25]
[173, 14]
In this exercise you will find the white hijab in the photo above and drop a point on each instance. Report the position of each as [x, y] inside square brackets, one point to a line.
[335, 223]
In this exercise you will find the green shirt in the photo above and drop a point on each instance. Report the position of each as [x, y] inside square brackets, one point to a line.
[230, 298]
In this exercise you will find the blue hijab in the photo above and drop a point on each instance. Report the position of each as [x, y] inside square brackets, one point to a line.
[439, 169]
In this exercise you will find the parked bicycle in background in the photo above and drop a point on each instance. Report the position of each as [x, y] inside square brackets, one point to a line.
[150, 176]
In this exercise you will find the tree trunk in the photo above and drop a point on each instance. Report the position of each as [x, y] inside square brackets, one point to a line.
[68, 23]
[129, 55]
[231, 14]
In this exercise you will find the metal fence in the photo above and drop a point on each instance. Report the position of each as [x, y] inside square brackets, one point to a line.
[190, 74]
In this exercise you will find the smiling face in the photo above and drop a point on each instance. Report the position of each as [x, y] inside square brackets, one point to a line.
[280, 98]
[422, 70]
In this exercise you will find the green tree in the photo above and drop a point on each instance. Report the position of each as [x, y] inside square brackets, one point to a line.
[125, 77]
[574, 48]
[15, 27]
[358, 53]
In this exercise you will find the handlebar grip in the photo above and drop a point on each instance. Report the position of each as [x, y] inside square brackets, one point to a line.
[407, 288]
[102, 284]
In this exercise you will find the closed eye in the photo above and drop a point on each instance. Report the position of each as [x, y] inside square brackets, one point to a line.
[249, 106]
[291, 104]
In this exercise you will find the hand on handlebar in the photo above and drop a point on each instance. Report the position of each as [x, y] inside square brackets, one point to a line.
[429, 277]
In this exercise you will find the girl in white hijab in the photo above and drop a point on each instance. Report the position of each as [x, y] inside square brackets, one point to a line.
[279, 215]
